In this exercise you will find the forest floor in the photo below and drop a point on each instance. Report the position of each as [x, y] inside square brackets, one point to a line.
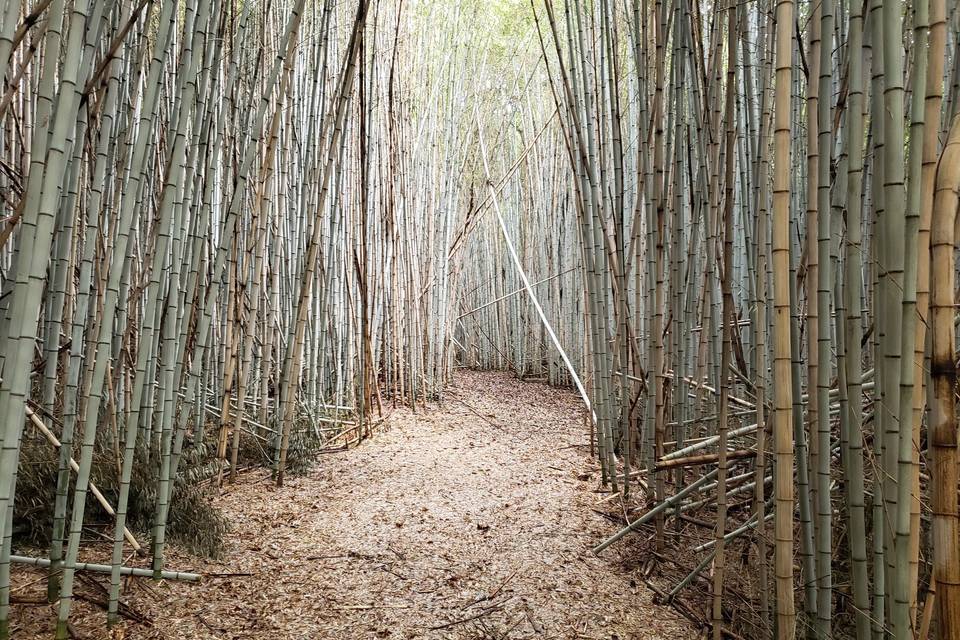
[473, 520]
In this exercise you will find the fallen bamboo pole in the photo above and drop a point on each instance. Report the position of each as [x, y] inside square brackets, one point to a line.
[649, 515]
[706, 458]
[749, 486]
[690, 577]
[750, 524]
[706, 442]
[105, 568]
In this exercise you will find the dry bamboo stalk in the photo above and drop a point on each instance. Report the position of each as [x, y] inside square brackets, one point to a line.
[706, 458]
[943, 418]
[782, 375]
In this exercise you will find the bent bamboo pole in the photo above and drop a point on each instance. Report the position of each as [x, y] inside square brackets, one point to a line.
[523, 276]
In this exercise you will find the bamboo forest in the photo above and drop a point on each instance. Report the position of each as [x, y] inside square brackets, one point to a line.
[479, 319]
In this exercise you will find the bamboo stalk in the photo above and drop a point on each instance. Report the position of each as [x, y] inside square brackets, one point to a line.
[943, 417]
[783, 400]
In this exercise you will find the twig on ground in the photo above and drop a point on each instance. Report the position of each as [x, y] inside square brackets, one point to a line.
[477, 616]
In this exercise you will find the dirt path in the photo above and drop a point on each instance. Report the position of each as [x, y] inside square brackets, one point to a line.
[472, 520]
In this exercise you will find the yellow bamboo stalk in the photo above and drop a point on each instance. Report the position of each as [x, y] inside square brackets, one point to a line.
[782, 374]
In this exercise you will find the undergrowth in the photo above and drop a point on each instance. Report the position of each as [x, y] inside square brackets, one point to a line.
[193, 521]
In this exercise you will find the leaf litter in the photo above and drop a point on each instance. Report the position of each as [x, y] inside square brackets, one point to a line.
[472, 519]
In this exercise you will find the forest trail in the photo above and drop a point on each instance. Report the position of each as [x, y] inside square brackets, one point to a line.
[470, 520]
